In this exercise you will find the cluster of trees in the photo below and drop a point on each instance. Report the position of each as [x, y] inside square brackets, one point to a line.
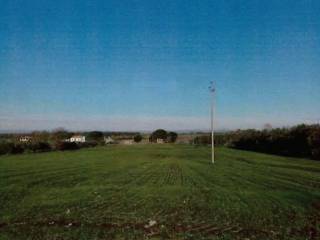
[219, 139]
[298, 141]
[10, 148]
[44, 141]
[169, 137]
[36, 147]
[137, 138]
[16, 148]
[202, 140]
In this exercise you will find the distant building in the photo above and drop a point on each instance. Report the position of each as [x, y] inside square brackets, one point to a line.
[126, 141]
[160, 140]
[77, 138]
[25, 139]
[108, 140]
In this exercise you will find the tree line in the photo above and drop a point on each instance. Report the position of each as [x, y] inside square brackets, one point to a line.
[298, 141]
[57, 140]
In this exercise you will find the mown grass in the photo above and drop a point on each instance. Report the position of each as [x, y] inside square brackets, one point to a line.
[158, 192]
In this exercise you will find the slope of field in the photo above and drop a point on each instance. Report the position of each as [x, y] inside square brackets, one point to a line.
[158, 192]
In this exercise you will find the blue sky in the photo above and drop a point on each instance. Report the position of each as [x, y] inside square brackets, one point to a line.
[139, 65]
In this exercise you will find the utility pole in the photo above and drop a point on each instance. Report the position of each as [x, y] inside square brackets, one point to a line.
[212, 91]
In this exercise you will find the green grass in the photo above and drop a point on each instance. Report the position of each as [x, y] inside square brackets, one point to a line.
[114, 192]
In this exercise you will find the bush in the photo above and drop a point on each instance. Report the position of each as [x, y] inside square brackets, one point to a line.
[5, 147]
[202, 140]
[60, 134]
[95, 136]
[137, 138]
[39, 147]
[87, 144]
[219, 139]
[10, 148]
[172, 137]
[63, 146]
[17, 149]
[314, 142]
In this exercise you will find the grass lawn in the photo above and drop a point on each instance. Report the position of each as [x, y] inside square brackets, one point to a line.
[158, 192]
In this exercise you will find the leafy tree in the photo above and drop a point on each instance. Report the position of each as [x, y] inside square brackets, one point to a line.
[299, 141]
[137, 138]
[5, 147]
[159, 133]
[60, 134]
[95, 136]
[172, 137]
[16, 149]
[202, 140]
[40, 136]
[314, 142]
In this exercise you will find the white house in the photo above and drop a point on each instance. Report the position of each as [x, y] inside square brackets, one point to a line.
[126, 141]
[25, 139]
[77, 138]
[160, 140]
[108, 140]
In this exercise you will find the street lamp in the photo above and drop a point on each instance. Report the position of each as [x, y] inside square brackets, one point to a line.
[212, 91]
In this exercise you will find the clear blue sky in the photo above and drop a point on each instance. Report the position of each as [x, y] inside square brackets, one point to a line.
[137, 65]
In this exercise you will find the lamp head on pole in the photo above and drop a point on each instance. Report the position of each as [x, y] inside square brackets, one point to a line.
[211, 87]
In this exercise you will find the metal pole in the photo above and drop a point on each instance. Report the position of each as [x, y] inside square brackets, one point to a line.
[212, 90]
[212, 127]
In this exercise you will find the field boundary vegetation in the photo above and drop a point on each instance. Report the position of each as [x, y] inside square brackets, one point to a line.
[60, 140]
[298, 141]
[301, 141]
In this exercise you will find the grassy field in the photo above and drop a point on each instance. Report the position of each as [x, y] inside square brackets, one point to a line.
[158, 192]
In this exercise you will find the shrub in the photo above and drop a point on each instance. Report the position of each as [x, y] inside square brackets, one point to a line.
[95, 136]
[202, 140]
[39, 147]
[87, 144]
[11, 148]
[137, 138]
[5, 147]
[63, 146]
[172, 137]
[60, 134]
[17, 149]
[314, 142]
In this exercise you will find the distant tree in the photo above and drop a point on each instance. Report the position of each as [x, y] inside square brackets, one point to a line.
[40, 136]
[38, 147]
[172, 137]
[63, 146]
[202, 140]
[298, 141]
[60, 134]
[5, 147]
[314, 142]
[159, 133]
[137, 138]
[16, 149]
[95, 136]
